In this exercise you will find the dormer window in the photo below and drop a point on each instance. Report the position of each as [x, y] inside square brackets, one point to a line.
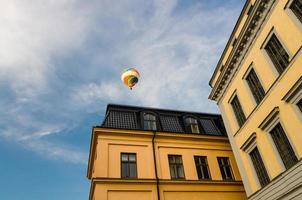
[192, 125]
[149, 121]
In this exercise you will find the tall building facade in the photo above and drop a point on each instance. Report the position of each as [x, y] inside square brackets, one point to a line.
[155, 154]
[257, 85]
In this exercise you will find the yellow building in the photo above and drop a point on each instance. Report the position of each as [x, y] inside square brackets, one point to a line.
[257, 86]
[154, 154]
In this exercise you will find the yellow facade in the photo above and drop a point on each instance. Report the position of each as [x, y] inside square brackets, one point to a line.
[252, 33]
[153, 181]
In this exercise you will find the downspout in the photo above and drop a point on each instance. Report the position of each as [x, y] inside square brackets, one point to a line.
[155, 165]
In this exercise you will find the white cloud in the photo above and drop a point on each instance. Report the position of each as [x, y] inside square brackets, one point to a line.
[32, 34]
[57, 152]
[61, 60]
[88, 94]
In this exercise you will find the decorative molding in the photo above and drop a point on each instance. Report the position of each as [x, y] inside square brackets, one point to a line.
[162, 181]
[270, 120]
[244, 41]
[247, 72]
[294, 93]
[249, 144]
[232, 96]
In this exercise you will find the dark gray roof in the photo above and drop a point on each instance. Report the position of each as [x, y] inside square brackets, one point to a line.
[130, 117]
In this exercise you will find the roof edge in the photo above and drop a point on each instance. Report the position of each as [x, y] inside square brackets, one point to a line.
[229, 41]
[160, 109]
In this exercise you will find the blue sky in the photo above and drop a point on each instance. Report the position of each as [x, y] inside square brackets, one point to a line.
[60, 65]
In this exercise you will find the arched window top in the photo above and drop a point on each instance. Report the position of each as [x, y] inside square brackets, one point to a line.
[149, 116]
[191, 124]
[149, 121]
[191, 120]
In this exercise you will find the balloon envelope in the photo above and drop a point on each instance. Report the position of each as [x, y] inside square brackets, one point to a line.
[130, 77]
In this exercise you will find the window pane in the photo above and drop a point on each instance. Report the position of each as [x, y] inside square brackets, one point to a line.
[194, 128]
[124, 170]
[178, 159]
[150, 125]
[199, 172]
[132, 167]
[192, 125]
[206, 172]
[180, 171]
[146, 117]
[228, 173]
[132, 157]
[147, 125]
[172, 172]
[152, 117]
[124, 157]
[171, 159]
[153, 125]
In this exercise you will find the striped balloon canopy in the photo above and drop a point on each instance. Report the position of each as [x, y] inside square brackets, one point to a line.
[130, 77]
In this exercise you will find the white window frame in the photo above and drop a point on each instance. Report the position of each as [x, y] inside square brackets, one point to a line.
[266, 56]
[272, 119]
[292, 15]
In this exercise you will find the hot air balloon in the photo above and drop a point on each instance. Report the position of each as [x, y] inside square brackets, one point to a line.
[130, 77]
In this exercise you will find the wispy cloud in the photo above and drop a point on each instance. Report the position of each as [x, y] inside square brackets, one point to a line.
[61, 60]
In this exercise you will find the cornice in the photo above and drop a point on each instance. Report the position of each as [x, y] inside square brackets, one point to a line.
[159, 134]
[107, 180]
[245, 39]
[237, 185]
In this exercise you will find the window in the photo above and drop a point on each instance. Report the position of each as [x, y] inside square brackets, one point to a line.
[149, 121]
[202, 168]
[176, 167]
[283, 146]
[192, 125]
[128, 165]
[255, 86]
[225, 168]
[296, 7]
[277, 53]
[259, 167]
[238, 111]
[299, 104]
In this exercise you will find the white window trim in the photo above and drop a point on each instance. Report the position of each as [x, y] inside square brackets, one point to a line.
[233, 112]
[249, 145]
[294, 95]
[252, 66]
[268, 124]
[270, 121]
[266, 56]
[292, 15]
